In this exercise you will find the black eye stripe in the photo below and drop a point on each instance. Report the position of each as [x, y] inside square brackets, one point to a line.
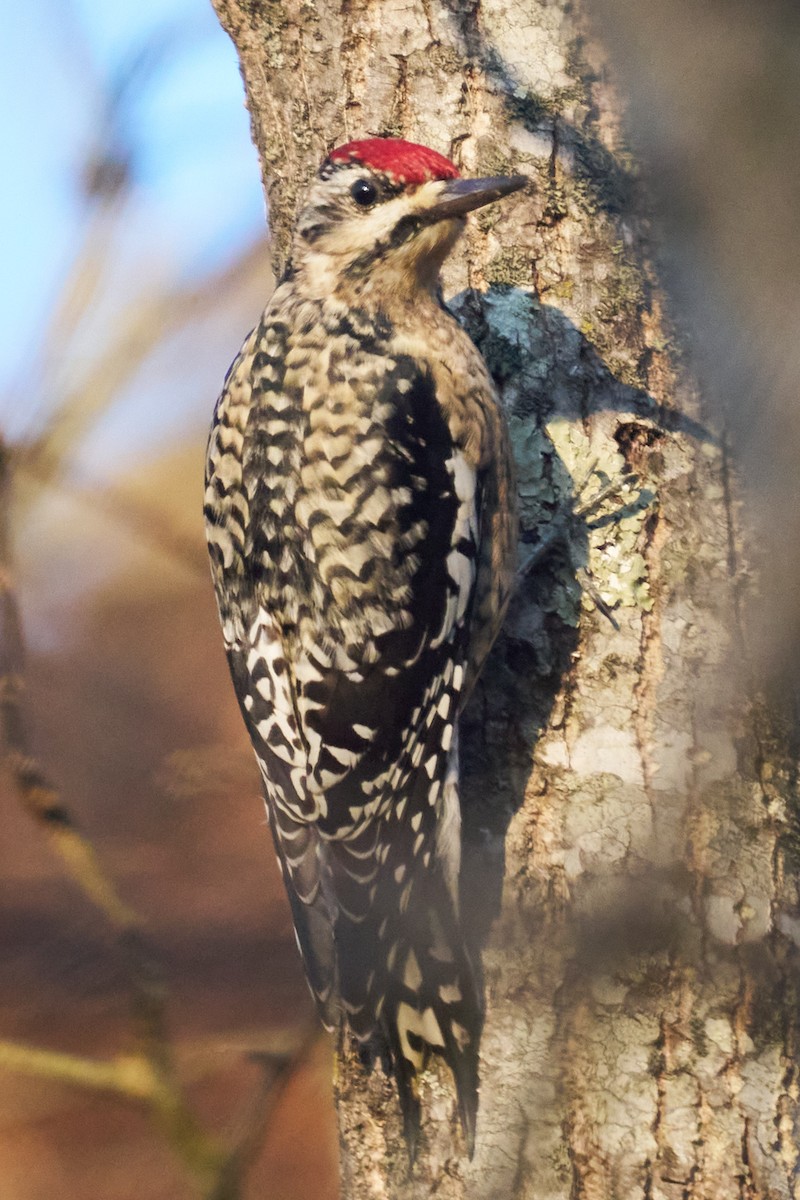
[310, 233]
[364, 192]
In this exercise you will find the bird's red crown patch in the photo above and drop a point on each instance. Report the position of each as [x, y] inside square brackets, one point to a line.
[405, 162]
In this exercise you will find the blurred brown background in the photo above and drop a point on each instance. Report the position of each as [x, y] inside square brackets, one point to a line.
[135, 717]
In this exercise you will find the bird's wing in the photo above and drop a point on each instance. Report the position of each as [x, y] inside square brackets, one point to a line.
[365, 559]
[497, 548]
[346, 571]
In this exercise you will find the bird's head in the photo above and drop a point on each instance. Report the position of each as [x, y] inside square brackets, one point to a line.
[384, 214]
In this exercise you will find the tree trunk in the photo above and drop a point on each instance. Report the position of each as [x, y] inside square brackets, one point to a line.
[627, 790]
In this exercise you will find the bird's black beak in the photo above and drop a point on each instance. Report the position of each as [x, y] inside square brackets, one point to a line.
[462, 195]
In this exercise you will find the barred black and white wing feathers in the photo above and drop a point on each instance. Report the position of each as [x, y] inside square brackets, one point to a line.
[343, 525]
[360, 523]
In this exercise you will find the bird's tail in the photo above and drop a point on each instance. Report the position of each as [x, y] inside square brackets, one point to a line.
[434, 1005]
[407, 985]
[377, 922]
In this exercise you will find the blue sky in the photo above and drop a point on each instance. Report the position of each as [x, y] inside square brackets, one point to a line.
[197, 197]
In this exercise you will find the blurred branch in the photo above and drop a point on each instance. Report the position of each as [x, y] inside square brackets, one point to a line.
[106, 175]
[246, 1145]
[79, 377]
[220, 1171]
[150, 522]
[38, 795]
[144, 325]
[128, 1076]
[80, 288]
[148, 1075]
[44, 458]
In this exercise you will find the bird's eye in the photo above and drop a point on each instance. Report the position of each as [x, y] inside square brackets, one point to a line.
[364, 192]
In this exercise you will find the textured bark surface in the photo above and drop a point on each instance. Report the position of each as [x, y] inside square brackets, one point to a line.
[629, 839]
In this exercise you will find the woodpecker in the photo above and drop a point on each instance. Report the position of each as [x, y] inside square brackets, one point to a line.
[360, 518]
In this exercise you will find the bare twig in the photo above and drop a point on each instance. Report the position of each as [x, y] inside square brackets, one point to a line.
[278, 1070]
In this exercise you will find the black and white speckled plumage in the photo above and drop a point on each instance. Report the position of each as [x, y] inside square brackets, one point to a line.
[361, 531]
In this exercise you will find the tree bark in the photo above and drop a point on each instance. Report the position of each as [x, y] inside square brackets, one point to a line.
[629, 826]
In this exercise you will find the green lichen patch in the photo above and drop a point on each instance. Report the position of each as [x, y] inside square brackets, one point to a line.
[623, 293]
[512, 267]
[556, 200]
[492, 159]
[487, 218]
[612, 515]
[606, 179]
[615, 324]
[532, 110]
[537, 490]
[511, 333]
[272, 22]
[566, 597]
[503, 356]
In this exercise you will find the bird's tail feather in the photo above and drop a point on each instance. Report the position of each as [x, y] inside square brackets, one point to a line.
[296, 847]
[409, 990]
[379, 933]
